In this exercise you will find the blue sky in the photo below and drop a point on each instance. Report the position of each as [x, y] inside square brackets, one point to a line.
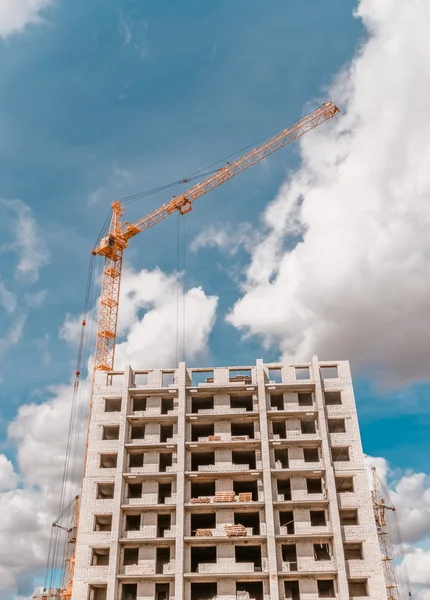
[106, 98]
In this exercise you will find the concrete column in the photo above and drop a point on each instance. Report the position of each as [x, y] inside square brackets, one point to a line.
[180, 483]
[267, 482]
[339, 557]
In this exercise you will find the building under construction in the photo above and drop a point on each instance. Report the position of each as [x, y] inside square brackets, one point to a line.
[229, 483]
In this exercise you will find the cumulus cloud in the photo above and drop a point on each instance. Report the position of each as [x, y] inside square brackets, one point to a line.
[8, 477]
[40, 430]
[15, 15]
[226, 237]
[356, 284]
[28, 242]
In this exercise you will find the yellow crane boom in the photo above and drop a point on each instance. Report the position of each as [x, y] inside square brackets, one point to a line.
[112, 246]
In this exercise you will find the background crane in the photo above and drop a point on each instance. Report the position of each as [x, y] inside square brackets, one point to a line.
[112, 247]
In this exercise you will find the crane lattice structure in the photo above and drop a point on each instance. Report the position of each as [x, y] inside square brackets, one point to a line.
[112, 248]
[380, 508]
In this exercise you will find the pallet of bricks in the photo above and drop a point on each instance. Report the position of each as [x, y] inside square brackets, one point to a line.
[225, 497]
[235, 530]
[245, 497]
[200, 500]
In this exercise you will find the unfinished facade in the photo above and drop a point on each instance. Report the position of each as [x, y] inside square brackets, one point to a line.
[227, 483]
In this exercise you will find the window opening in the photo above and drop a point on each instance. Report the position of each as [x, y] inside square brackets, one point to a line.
[340, 454]
[112, 404]
[136, 459]
[139, 404]
[134, 490]
[284, 489]
[322, 552]
[162, 559]
[302, 373]
[105, 491]
[199, 404]
[244, 403]
[243, 430]
[244, 458]
[102, 522]
[246, 487]
[247, 554]
[163, 524]
[292, 590]
[332, 398]
[111, 432]
[344, 484]
[318, 518]
[248, 520]
[100, 557]
[308, 426]
[279, 429]
[166, 433]
[202, 554]
[311, 455]
[200, 459]
[348, 516]
[164, 492]
[289, 555]
[202, 431]
[132, 522]
[286, 519]
[281, 458]
[108, 461]
[131, 556]
[305, 399]
[314, 485]
[329, 372]
[336, 425]
[325, 588]
[166, 405]
[166, 460]
[202, 521]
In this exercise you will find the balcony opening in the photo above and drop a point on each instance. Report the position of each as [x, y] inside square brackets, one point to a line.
[134, 490]
[129, 591]
[314, 485]
[166, 405]
[242, 403]
[322, 552]
[164, 522]
[201, 431]
[244, 458]
[292, 590]
[202, 521]
[108, 461]
[105, 491]
[348, 516]
[166, 460]
[201, 459]
[202, 554]
[275, 375]
[358, 588]
[139, 404]
[242, 430]
[166, 433]
[162, 591]
[97, 592]
[332, 398]
[136, 459]
[277, 402]
[284, 489]
[162, 559]
[140, 379]
[246, 487]
[112, 404]
[289, 555]
[198, 377]
[281, 458]
[132, 522]
[100, 557]
[252, 590]
[202, 489]
[279, 429]
[247, 554]
[305, 399]
[286, 519]
[164, 492]
[168, 378]
[110, 432]
[336, 425]
[199, 404]
[311, 455]
[131, 556]
[248, 520]
[137, 433]
[240, 376]
[340, 454]
[318, 518]
[308, 426]
[102, 522]
[302, 373]
[204, 591]
[329, 372]
[353, 551]
[325, 588]
[344, 484]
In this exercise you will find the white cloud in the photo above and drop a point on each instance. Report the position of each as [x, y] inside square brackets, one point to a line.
[15, 15]
[356, 286]
[418, 565]
[28, 243]
[227, 237]
[14, 335]
[8, 478]
[152, 340]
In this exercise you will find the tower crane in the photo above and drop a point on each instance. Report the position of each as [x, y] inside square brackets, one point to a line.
[112, 247]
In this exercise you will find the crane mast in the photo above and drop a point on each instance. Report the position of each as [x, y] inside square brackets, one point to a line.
[112, 246]
[385, 546]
